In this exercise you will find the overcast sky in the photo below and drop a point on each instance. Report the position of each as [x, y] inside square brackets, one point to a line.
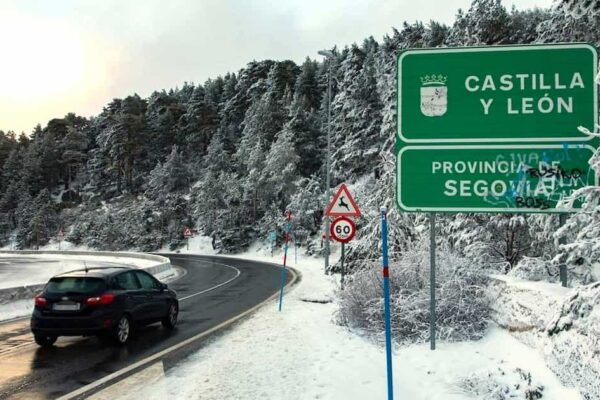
[75, 56]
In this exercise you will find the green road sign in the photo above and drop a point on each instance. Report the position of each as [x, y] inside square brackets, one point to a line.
[497, 178]
[536, 93]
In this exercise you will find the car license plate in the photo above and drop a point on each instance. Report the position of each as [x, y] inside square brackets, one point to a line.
[66, 307]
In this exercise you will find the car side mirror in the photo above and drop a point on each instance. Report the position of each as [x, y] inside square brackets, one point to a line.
[163, 286]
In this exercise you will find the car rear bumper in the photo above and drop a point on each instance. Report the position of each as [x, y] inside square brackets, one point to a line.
[71, 325]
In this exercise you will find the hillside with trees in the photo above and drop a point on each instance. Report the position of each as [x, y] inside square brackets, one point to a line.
[229, 156]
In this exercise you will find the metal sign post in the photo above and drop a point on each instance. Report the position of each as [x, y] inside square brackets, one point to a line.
[386, 302]
[342, 267]
[284, 270]
[343, 230]
[432, 313]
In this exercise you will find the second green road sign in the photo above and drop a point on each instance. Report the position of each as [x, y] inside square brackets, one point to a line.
[495, 129]
[501, 178]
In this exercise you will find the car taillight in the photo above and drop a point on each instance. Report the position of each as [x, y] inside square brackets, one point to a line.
[101, 300]
[41, 301]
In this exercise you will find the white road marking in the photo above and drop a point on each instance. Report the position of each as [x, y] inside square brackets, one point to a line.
[157, 356]
[214, 287]
[151, 374]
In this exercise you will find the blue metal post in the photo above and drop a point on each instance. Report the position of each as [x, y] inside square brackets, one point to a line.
[386, 299]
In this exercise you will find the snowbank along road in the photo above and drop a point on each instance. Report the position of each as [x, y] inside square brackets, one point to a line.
[213, 291]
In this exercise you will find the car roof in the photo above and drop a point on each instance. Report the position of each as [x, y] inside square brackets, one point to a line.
[94, 272]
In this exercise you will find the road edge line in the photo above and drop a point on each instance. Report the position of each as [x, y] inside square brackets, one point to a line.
[148, 360]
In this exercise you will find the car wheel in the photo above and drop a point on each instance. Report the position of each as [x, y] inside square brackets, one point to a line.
[122, 330]
[44, 341]
[170, 320]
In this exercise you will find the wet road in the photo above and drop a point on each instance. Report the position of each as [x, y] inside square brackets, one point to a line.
[213, 291]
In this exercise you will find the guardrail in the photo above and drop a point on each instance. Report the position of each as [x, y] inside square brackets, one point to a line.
[28, 291]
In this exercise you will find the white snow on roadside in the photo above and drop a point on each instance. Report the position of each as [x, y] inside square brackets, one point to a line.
[48, 265]
[553, 290]
[300, 353]
[16, 309]
[196, 245]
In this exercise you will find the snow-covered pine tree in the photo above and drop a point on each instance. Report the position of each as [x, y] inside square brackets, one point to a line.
[280, 171]
[169, 177]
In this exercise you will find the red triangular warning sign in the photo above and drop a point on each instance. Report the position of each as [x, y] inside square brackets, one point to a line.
[187, 232]
[343, 204]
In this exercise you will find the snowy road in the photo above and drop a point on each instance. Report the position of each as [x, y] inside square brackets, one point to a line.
[211, 292]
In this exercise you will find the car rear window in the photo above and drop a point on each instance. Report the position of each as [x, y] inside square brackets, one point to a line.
[82, 285]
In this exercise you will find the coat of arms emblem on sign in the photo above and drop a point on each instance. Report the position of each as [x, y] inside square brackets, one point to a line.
[434, 95]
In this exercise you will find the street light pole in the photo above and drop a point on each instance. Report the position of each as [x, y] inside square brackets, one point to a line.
[328, 55]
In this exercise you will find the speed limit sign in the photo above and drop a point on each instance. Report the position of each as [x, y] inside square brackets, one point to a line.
[342, 229]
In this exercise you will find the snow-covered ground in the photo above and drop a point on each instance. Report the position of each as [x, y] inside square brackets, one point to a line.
[44, 266]
[16, 309]
[300, 353]
[195, 245]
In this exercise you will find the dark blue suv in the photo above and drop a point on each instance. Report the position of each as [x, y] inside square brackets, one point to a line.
[107, 302]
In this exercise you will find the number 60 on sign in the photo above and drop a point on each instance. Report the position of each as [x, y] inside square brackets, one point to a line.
[343, 229]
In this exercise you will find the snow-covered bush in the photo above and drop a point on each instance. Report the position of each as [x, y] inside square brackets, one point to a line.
[582, 229]
[574, 339]
[502, 384]
[462, 307]
[535, 269]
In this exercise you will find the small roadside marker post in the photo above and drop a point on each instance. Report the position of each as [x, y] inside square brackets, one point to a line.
[273, 239]
[285, 249]
[187, 233]
[61, 236]
[386, 295]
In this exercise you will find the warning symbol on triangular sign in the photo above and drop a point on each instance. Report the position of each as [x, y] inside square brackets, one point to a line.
[343, 204]
[187, 232]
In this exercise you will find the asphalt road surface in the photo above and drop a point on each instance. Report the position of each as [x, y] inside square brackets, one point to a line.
[214, 290]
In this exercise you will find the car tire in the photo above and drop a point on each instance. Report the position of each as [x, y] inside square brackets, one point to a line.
[170, 320]
[45, 341]
[122, 330]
